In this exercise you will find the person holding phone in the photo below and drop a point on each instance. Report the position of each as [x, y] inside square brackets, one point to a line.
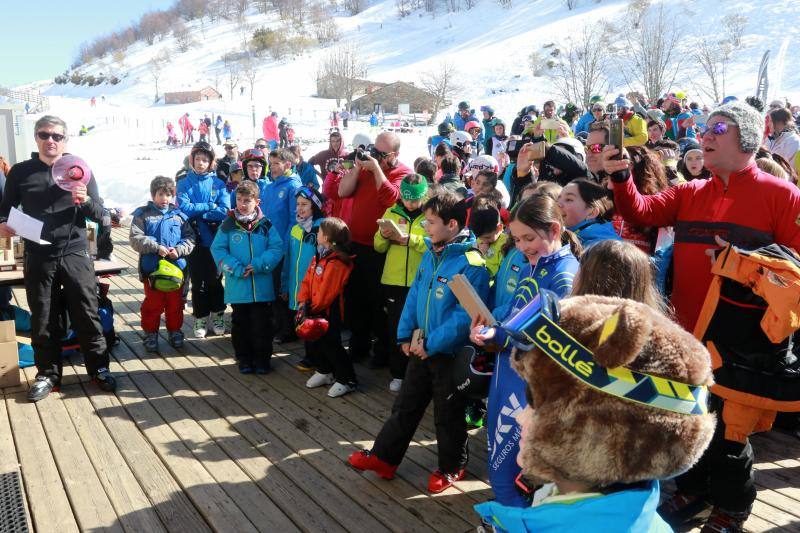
[747, 208]
[549, 125]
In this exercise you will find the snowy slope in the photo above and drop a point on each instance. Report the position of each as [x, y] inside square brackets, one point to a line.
[490, 45]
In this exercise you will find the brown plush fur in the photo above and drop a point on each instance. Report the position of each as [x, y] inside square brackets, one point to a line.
[584, 435]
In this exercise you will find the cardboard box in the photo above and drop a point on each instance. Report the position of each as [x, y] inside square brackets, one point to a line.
[391, 226]
[469, 299]
[19, 249]
[9, 356]
[7, 261]
[91, 237]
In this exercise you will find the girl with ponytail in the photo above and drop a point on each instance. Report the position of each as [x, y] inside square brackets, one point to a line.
[552, 251]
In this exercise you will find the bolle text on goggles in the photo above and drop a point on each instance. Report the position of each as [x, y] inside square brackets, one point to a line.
[537, 324]
[308, 194]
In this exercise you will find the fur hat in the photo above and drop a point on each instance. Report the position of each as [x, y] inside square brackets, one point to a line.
[749, 121]
[585, 435]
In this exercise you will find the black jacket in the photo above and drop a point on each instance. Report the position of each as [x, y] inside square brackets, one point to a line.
[30, 185]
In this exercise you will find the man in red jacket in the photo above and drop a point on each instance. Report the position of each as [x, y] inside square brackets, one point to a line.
[748, 208]
[372, 186]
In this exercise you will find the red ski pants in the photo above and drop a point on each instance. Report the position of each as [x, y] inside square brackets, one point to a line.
[157, 302]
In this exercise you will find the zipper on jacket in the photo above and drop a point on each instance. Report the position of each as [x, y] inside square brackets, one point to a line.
[252, 274]
[430, 286]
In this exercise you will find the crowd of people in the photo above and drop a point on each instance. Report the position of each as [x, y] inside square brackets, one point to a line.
[659, 256]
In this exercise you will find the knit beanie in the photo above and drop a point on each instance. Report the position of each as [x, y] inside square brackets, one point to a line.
[749, 121]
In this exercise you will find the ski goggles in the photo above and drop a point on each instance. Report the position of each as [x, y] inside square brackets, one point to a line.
[308, 194]
[537, 324]
[719, 128]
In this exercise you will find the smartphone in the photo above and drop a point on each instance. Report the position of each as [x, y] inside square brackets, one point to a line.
[347, 164]
[616, 136]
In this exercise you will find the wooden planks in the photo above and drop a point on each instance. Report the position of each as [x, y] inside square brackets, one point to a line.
[189, 444]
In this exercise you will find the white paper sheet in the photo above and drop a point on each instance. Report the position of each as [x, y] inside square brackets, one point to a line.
[26, 226]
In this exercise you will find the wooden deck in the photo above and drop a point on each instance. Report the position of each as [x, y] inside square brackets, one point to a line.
[188, 444]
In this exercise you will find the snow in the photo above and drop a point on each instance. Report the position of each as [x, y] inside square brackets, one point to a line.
[490, 44]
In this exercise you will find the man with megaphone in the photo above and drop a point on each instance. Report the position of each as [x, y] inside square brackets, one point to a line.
[59, 275]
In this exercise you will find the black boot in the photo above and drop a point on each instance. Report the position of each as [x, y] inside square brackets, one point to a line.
[105, 380]
[42, 387]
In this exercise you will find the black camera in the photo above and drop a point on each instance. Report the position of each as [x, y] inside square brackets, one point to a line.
[361, 153]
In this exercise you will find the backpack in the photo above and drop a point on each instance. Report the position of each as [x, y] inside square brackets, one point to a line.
[105, 310]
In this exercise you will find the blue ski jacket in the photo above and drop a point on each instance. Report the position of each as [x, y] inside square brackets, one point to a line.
[300, 251]
[206, 201]
[279, 203]
[430, 304]
[594, 230]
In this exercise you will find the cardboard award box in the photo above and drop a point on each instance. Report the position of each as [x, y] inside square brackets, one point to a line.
[469, 299]
[391, 226]
[7, 260]
[9, 356]
[91, 238]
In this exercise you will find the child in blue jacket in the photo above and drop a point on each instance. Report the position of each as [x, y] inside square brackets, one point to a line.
[248, 248]
[538, 231]
[204, 198]
[159, 230]
[280, 207]
[300, 251]
[433, 310]
[587, 208]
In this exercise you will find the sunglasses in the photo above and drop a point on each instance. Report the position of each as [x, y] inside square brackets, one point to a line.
[57, 137]
[262, 146]
[595, 109]
[595, 148]
[719, 128]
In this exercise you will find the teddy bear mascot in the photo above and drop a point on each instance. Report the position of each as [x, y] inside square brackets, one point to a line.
[617, 400]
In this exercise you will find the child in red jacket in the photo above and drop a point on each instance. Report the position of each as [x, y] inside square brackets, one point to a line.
[321, 294]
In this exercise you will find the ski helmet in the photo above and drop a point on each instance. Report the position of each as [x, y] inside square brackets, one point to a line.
[202, 147]
[488, 109]
[472, 124]
[532, 110]
[483, 162]
[445, 128]
[361, 139]
[311, 329]
[255, 154]
[621, 101]
[463, 105]
[472, 372]
[596, 99]
[460, 138]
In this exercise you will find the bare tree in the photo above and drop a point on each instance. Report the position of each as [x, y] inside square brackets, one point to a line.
[651, 57]
[403, 7]
[250, 70]
[508, 4]
[734, 24]
[570, 4]
[469, 4]
[581, 72]
[355, 6]
[182, 37]
[156, 66]
[712, 59]
[442, 82]
[342, 68]
[233, 69]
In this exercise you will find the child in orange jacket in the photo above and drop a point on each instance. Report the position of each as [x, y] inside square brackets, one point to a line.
[321, 294]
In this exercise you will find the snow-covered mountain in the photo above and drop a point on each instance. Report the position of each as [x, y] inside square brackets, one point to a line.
[489, 44]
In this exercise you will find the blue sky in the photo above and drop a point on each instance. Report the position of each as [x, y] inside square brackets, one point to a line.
[41, 39]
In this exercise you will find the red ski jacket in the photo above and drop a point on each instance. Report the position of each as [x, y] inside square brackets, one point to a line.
[755, 209]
